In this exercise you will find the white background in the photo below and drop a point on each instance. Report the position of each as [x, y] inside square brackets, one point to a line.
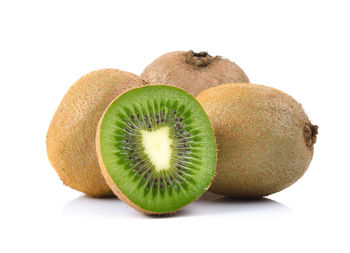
[300, 47]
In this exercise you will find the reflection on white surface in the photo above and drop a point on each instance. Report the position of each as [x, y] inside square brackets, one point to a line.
[103, 207]
[208, 204]
[212, 204]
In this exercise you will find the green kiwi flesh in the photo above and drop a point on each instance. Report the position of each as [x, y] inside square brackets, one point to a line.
[156, 148]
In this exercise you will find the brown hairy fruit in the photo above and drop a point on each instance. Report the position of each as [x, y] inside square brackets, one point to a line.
[193, 72]
[264, 138]
[71, 136]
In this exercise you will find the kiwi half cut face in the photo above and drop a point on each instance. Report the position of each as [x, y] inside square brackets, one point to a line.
[156, 148]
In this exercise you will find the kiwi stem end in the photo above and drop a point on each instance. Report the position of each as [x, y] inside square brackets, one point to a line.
[200, 60]
[310, 134]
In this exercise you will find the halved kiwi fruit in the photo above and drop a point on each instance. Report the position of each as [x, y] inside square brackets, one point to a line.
[156, 148]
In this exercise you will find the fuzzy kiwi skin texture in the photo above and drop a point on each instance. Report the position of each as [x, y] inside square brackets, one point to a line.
[264, 138]
[70, 139]
[193, 72]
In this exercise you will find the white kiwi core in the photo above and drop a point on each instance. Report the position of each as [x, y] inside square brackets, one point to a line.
[157, 146]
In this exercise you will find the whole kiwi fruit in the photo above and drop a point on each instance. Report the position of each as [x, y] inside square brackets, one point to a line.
[193, 72]
[156, 148]
[71, 135]
[265, 140]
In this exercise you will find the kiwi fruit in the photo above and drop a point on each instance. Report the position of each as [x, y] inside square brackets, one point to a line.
[265, 140]
[156, 148]
[71, 135]
[193, 72]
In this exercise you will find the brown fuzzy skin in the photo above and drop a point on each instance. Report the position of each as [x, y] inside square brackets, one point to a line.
[193, 72]
[265, 139]
[71, 136]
